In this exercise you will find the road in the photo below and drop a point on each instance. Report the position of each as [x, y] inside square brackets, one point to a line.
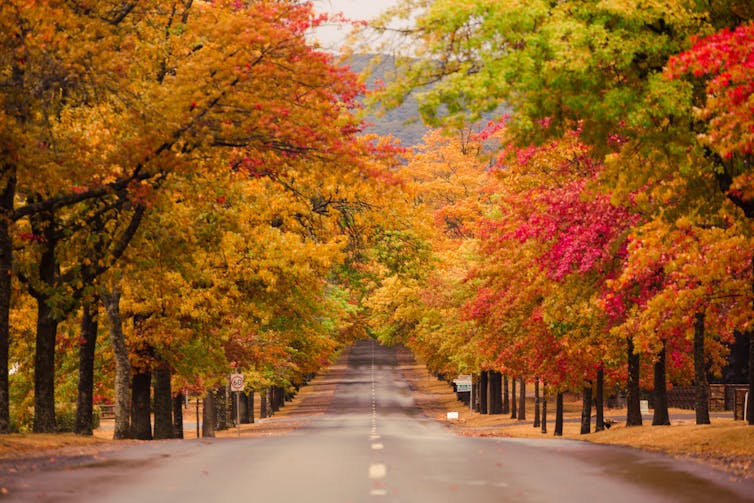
[373, 445]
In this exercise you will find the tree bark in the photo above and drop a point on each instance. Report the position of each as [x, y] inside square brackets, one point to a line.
[750, 403]
[85, 395]
[111, 301]
[209, 415]
[633, 417]
[7, 198]
[221, 412]
[495, 398]
[537, 418]
[178, 401]
[47, 330]
[263, 404]
[522, 399]
[244, 403]
[506, 400]
[559, 415]
[163, 404]
[44, 370]
[141, 421]
[586, 409]
[483, 392]
[599, 400]
[514, 409]
[660, 416]
[701, 397]
[251, 406]
[544, 407]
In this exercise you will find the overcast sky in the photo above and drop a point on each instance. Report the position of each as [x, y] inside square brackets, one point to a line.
[330, 36]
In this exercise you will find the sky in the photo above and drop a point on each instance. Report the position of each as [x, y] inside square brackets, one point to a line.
[330, 36]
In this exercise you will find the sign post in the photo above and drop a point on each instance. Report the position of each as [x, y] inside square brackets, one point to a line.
[236, 384]
[463, 385]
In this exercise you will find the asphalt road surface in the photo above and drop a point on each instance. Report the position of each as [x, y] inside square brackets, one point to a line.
[373, 445]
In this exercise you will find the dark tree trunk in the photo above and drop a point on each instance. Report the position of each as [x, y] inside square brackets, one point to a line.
[661, 416]
[599, 400]
[7, 197]
[495, 399]
[47, 327]
[750, 403]
[141, 423]
[633, 417]
[701, 397]
[559, 415]
[514, 409]
[263, 404]
[522, 399]
[178, 403]
[537, 418]
[44, 370]
[233, 414]
[544, 407]
[506, 400]
[244, 402]
[209, 415]
[483, 392]
[221, 409]
[87, 344]
[163, 404]
[251, 406]
[586, 409]
[111, 301]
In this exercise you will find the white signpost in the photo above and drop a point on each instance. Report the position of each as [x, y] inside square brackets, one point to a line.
[236, 384]
[463, 384]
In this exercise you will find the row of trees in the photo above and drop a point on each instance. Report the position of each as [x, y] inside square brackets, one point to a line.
[600, 233]
[188, 178]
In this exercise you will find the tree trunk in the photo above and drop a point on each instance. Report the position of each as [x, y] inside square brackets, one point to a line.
[559, 415]
[111, 301]
[506, 400]
[633, 417]
[537, 418]
[599, 400]
[263, 404]
[750, 403]
[209, 415]
[178, 401]
[544, 407]
[44, 370]
[495, 399]
[660, 417]
[47, 327]
[251, 406]
[701, 397]
[163, 404]
[514, 409]
[483, 392]
[7, 197]
[244, 403]
[586, 409]
[87, 344]
[221, 412]
[141, 421]
[522, 399]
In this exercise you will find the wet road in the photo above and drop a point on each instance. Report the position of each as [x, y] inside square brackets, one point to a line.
[374, 446]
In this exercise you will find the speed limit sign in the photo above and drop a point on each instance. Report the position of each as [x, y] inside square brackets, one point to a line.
[236, 382]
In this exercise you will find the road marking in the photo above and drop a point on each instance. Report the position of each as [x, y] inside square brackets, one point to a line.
[377, 471]
[378, 492]
[377, 446]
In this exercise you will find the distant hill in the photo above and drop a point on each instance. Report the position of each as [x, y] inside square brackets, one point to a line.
[403, 122]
